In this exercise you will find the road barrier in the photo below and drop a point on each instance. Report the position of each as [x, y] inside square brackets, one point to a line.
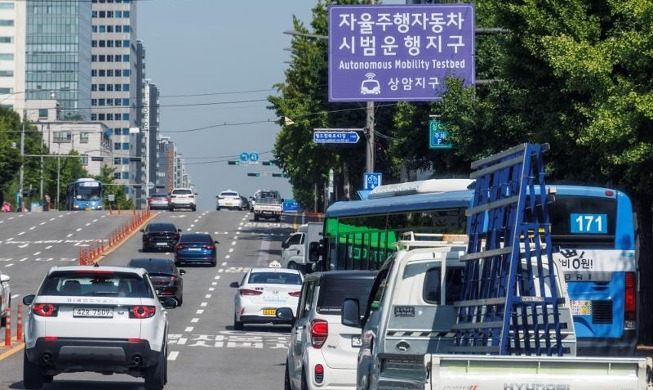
[8, 328]
[97, 248]
[19, 323]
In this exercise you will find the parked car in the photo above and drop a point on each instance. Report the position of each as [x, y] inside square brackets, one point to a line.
[264, 290]
[158, 201]
[165, 276]
[244, 202]
[160, 236]
[323, 352]
[102, 319]
[229, 199]
[5, 297]
[196, 248]
[182, 198]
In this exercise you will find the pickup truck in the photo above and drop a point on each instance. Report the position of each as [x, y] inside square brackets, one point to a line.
[268, 204]
[296, 252]
[408, 334]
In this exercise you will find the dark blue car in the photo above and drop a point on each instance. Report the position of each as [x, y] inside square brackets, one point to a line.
[196, 248]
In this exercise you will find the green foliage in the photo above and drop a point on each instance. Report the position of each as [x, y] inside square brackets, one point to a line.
[110, 188]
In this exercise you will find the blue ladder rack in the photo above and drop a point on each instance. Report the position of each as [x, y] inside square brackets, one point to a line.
[510, 300]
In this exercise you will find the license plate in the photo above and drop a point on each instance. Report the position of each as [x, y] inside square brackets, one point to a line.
[93, 312]
[356, 341]
[194, 249]
[269, 312]
[161, 244]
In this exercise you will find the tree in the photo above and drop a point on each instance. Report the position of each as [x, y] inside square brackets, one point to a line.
[110, 188]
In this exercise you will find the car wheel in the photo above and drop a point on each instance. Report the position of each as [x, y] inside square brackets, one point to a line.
[180, 300]
[48, 378]
[155, 375]
[286, 380]
[292, 265]
[237, 324]
[32, 377]
[304, 383]
[255, 217]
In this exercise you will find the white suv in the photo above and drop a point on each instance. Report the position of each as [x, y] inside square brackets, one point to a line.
[100, 319]
[5, 298]
[323, 352]
[182, 198]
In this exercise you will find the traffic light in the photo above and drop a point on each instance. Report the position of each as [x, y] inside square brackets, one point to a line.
[233, 162]
[278, 175]
[253, 174]
[271, 162]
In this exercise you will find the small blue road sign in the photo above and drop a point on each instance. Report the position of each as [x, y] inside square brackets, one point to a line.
[335, 137]
[371, 180]
[437, 135]
[244, 157]
[253, 157]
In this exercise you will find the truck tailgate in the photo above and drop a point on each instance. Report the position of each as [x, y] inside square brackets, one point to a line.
[536, 373]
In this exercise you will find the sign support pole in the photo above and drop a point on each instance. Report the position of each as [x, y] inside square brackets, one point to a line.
[369, 156]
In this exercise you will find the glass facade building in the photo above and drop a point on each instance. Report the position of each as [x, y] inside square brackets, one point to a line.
[58, 54]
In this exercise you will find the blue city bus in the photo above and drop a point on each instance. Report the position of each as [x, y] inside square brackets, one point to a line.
[592, 232]
[85, 194]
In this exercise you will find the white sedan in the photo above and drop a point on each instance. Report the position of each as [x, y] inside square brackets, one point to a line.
[264, 290]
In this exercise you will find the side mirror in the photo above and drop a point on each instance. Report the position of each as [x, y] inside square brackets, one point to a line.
[216, 241]
[284, 245]
[142, 230]
[234, 284]
[4, 278]
[350, 315]
[170, 303]
[182, 272]
[178, 230]
[314, 251]
[285, 313]
[28, 299]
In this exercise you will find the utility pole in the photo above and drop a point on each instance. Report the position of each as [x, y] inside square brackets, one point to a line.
[369, 134]
[22, 160]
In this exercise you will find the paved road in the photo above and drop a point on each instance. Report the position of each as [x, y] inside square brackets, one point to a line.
[204, 351]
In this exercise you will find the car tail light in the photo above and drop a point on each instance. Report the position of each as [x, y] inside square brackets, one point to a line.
[211, 247]
[630, 298]
[319, 373]
[45, 309]
[181, 246]
[136, 340]
[50, 339]
[173, 279]
[247, 291]
[142, 311]
[294, 293]
[319, 333]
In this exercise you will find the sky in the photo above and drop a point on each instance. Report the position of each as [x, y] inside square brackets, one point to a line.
[215, 62]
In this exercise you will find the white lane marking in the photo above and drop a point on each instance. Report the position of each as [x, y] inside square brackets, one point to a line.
[79, 229]
[88, 224]
[189, 329]
[21, 233]
[32, 228]
[233, 243]
[207, 296]
[9, 265]
[188, 230]
[10, 239]
[214, 283]
[217, 277]
[225, 263]
[199, 311]
[227, 256]
[37, 253]
[42, 223]
[52, 219]
[15, 296]
[231, 250]
[203, 304]
[220, 270]
[24, 245]
[48, 247]
[23, 259]
[211, 289]
[237, 234]
[95, 220]
[70, 235]
[173, 355]
[195, 320]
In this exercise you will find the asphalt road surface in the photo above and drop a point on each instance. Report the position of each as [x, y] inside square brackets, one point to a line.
[204, 350]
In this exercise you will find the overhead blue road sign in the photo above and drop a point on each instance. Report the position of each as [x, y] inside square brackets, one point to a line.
[391, 52]
[371, 180]
[335, 137]
[437, 135]
[244, 157]
[253, 157]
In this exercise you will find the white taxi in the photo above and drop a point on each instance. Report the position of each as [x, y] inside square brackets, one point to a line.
[264, 290]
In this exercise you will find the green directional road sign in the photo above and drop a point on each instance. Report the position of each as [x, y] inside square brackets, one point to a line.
[437, 135]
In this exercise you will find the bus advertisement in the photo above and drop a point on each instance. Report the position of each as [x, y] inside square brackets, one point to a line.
[593, 236]
[84, 194]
